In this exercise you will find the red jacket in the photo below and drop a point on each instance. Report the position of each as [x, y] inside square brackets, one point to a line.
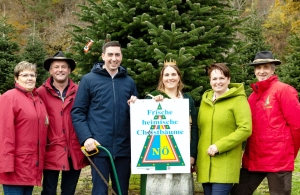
[62, 140]
[23, 131]
[275, 138]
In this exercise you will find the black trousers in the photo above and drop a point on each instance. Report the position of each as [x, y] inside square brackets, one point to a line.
[69, 181]
[280, 183]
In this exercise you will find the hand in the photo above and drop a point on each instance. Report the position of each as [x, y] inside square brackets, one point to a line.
[158, 98]
[90, 144]
[212, 150]
[192, 161]
[193, 166]
[132, 99]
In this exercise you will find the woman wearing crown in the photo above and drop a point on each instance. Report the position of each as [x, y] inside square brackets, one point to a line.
[170, 87]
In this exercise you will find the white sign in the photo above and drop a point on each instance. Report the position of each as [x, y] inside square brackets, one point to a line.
[160, 136]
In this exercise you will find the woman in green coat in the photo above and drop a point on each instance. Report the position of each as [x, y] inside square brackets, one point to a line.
[224, 122]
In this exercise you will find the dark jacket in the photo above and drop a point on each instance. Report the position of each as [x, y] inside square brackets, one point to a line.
[23, 132]
[62, 141]
[193, 120]
[100, 110]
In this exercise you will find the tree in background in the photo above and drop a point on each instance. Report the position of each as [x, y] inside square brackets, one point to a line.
[34, 52]
[50, 18]
[289, 72]
[244, 53]
[283, 20]
[193, 32]
[8, 56]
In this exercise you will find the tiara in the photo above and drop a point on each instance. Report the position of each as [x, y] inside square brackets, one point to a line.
[171, 62]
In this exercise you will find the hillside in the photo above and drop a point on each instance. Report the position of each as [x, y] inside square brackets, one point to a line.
[48, 19]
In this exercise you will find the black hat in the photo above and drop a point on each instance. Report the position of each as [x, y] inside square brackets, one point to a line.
[264, 57]
[59, 56]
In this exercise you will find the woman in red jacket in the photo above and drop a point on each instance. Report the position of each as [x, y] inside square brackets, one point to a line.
[23, 130]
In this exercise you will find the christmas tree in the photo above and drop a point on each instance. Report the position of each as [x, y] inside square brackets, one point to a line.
[8, 56]
[193, 32]
[36, 53]
[244, 53]
[290, 70]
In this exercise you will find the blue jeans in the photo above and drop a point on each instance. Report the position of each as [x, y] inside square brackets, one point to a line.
[216, 188]
[122, 165]
[69, 181]
[17, 190]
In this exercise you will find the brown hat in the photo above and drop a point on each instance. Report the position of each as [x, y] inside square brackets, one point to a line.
[59, 56]
[264, 57]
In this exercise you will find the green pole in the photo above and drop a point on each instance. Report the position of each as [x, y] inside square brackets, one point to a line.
[143, 184]
[113, 167]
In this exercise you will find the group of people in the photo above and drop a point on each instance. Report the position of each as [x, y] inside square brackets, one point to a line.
[36, 130]
[42, 129]
[226, 119]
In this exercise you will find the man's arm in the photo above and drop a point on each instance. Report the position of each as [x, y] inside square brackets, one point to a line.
[80, 110]
[291, 111]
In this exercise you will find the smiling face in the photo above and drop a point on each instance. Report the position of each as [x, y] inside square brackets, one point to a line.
[60, 71]
[112, 58]
[219, 82]
[170, 78]
[264, 71]
[26, 79]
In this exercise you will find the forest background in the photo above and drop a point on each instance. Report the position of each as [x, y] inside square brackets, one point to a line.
[193, 32]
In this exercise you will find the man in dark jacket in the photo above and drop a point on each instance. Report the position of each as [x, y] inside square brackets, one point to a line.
[63, 148]
[275, 139]
[101, 116]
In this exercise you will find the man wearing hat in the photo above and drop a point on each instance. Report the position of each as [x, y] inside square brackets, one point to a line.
[63, 149]
[275, 139]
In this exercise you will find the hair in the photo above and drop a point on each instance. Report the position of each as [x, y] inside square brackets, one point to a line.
[110, 44]
[219, 66]
[24, 66]
[273, 66]
[161, 86]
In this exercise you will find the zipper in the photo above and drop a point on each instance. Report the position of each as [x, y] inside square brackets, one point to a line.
[115, 117]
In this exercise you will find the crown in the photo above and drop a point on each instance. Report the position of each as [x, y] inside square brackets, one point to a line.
[171, 62]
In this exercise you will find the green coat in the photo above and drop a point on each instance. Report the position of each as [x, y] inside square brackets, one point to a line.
[193, 115]
[225, 123]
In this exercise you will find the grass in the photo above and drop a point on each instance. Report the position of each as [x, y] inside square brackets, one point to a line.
[263, 188]
[84, 185]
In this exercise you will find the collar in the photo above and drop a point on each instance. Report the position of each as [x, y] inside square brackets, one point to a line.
[214, 95]
[57, 91]
[261, 86]
[22, 89]
[112, 75]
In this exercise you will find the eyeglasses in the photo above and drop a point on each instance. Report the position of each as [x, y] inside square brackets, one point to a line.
[28, 75]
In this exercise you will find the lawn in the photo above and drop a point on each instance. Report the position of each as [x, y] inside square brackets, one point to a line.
[84, 185]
